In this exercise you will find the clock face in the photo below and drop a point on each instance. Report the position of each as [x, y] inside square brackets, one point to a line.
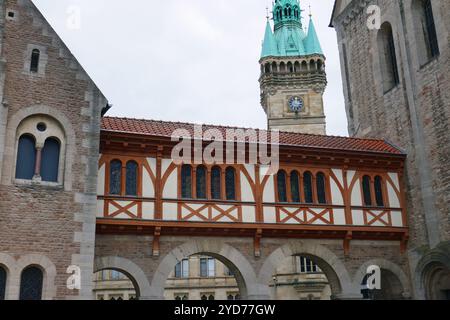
[296, 104]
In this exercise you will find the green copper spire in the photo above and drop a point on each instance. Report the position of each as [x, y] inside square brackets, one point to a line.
[312, 41]
[269, 45]
[289, 38]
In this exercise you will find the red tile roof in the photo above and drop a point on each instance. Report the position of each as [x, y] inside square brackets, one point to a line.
[165, 129]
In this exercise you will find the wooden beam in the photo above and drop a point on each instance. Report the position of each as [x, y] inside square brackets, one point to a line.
[155, 246]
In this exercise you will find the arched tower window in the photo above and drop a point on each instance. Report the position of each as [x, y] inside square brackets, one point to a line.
[431, 36]
[26, 157]
[388, 59]
[201, 182]
[425, 30]
[34, 64]
[215, 183]
[366, 191]
[307, 186]
[131, 178]
[31, 282]
[230, 182]
[321, 194]
[186, 181]
[2, 283]
[281, 185]
[295, 187]
[115, 177]
[50, 160]
[379, 191]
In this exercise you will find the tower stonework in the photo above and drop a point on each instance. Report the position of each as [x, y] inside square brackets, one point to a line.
[293, 77]
[396, 84]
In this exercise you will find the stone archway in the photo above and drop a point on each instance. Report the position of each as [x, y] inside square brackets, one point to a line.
[216, 248]
[328, 262]
[394, 281]
[432, 276]
[130, 269]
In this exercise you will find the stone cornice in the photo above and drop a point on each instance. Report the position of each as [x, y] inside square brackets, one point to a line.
[352, 10]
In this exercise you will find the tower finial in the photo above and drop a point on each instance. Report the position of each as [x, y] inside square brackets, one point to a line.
[310, 11]
[267, 13]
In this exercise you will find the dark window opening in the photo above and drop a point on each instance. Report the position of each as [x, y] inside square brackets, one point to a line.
[366, 191]
[281, 184]
[35, 55]
[230, 176]
[201, 182]
[321, 194]
[50, 160]
[215, 183]
[186, 182]
[379, 191]
[2, 283]
[131, 178]
[431, 35]
[26, 158]
[295, 190]
[31, 282]
[307, 185]
[115, 178]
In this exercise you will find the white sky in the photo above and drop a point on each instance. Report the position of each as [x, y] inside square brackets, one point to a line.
[185, 60]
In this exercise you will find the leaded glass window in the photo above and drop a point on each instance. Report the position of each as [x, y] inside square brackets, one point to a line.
[295, 190]
[366, 191]
[431, 29]
[215, 183]
[321, 194]
[379, 191]
[131, 178]
[26, 158]
[230, 183]
[34, 65]
[50, 160]
[31, 282]
[186, 181]
[115, 178]
[307, 186]
[281, 184]
[201, 182]
[2, 283]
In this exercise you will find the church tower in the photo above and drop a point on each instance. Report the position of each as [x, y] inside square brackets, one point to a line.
[293, 77]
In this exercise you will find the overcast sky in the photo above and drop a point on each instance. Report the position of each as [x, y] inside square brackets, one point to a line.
[185, 60]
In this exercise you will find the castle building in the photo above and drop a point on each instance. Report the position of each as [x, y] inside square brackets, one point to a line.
[395, 68]
[293, 77]
[82, 192]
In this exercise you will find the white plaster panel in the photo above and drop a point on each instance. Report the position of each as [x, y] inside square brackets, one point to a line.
[170, 211]
[339, 217]
[339, 176]
[171, 186]
[148, 210]
[152, 163]
[100, 207]
[248, 214]
[148, 190]
[251, 171]
[336, 194]
[394, 201]
[397, 220]
[246, 190]
[356, 194]
[394, 177]
[269, 215]
[269, 191]
[101, 181]
[358, 217]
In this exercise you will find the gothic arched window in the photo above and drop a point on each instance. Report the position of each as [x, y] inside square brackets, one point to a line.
[186, 181]
[379, 191]
[115, 177]
[31, 282]
[281, 185]
[2, 283]
[388, 58]
[425, 30]
[366, 191]
[230, 183]
[321, 194]
[50, 160]
[201, 182]
[131, 178]
[295, 184]
[34, 64]
[26, 157]
[215, 183]
[307, 186]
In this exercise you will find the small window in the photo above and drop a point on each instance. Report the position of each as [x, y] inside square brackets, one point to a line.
[186, 181]
[31, 282]
[388, 58]
[26, 157]
[379, 191]
[281, 184]
[50, 160]
[207, 267]
[115, 178]
[307, 186]
[2, 283]
[230, 176]
[321, 194]
[295, 190]
[132, 175]
[366, 191]
[11, 14]
[201, 182]
[34, 65]
[430, 29]
[182, 269]
[215, 183]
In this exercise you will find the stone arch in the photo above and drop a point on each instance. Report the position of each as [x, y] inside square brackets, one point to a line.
[385, 265]
[13, 124]
[330, 264]
[8, 264]
[228, 255]
[130, 269]
[48, 268]
[433, 266]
